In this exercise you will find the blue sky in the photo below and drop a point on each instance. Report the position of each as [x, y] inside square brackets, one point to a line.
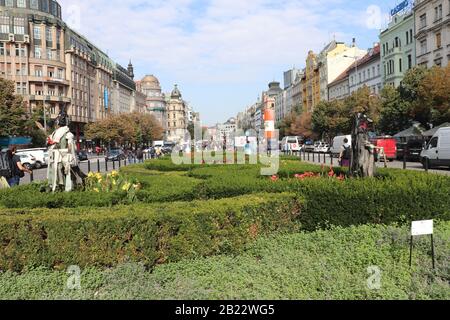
[222, 53]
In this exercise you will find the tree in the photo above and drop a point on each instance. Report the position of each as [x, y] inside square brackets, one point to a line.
[395, 114]
[409, 93]
[284, 126]
[126, 129]
[363, 101]
[302, 126]
[330, 119]
[434, 93]
[13, 116]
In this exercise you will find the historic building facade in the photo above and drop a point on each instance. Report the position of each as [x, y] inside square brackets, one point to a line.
[398, 49]
[176, 116]
[367, 72]
[54, 66]
[155, 98]
[311, 83]
[333, 60]
[432, 25]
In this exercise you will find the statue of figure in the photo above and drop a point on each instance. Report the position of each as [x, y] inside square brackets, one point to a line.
[62, 170]
[363, 152]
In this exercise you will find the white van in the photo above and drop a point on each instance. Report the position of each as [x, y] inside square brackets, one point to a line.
[291, 144]
[338, 142]
[39, 154]
[437, 152]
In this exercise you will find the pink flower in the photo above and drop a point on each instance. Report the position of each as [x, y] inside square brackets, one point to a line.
[274, 178]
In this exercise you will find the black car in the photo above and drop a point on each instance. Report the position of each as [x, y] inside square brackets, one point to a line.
[82, 156]
[115, 155]
[413, 150]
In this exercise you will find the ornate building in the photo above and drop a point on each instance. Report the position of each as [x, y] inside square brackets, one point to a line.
[54, 66]
[176, 116]
[155, 98]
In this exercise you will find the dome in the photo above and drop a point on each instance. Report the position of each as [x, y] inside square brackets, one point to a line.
[151, 81]
[176, 94]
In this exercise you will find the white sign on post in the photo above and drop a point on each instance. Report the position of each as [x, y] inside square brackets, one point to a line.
[422, 228]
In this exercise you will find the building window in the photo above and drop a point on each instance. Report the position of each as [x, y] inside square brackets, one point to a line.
[37, 52]
[438, 40]
[9, 3]
[37, 32]
[400, 67]
[423, 46]
[34, 4]
[48, 34]
[409, 61]
[4, 24]
[44, 4]
[21, 4]
[438, 12]
[423, 21]
[19, 25]
[38, 71]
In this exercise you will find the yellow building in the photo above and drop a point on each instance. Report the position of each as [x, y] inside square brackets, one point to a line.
[311, 83]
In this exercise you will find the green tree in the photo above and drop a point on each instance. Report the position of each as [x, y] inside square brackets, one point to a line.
[13, 116]
[409, 93]
[330, 118]
[395, 114]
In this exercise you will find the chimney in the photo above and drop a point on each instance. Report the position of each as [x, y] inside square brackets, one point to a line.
[354, 43]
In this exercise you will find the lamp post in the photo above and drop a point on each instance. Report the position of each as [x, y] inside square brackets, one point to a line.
[356, 63]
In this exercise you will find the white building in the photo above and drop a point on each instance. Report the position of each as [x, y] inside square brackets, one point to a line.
[226, 129]
[367, 72]
[432, 24]
[340, 88]
[334, 59]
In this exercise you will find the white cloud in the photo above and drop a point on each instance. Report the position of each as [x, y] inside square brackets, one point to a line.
[211, 41]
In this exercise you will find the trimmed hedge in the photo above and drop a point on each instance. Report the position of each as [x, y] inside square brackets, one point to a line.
[106, 237]
[330, 264]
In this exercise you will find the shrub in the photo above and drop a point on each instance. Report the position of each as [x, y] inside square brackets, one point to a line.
[139, 233]
[330, 264]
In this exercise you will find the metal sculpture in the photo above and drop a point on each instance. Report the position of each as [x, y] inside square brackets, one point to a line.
[62, 170]
[363, 151]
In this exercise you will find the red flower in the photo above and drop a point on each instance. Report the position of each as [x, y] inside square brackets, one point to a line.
[274, 178]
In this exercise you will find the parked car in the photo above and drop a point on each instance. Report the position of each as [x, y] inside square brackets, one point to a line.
[338, 143]
[40, 155]
[291, 144]
[28, 161]
[115, 155]
[321, 147]
[413, 150]
[437, 152]
[82, 155]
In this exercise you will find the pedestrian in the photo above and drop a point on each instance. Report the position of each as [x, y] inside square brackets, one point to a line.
[140, 155]
[345, 155]
[18, 170]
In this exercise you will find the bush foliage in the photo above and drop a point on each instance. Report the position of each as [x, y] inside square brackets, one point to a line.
[327, 264]
[139, 233]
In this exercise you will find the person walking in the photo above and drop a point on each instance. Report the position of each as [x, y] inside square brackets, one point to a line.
[140, 155]
[345, 155]
[18, 170]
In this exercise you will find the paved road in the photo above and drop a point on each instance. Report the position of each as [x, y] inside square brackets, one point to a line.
[395, 164]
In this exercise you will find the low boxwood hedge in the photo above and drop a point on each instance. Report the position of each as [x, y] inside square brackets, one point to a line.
[162, 233]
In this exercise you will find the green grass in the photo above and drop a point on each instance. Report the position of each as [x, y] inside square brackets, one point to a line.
[329, 264]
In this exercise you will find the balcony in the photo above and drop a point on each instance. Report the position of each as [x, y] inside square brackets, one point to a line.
[59, 99]
[48, 80]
